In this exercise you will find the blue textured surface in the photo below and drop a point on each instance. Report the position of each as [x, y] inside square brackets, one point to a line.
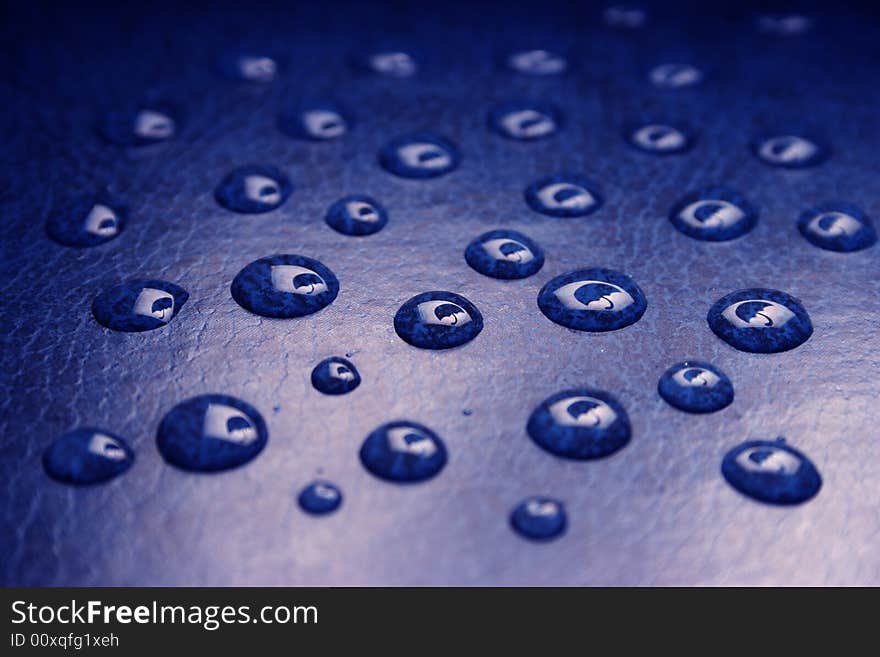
[656, 512]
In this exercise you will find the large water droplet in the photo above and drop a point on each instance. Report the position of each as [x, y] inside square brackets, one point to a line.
[696, 387]
[356, 215]
[539, 518]
[253, 189]
[210, 433]
[714, 214]
[790, 151]
[86, 221]
[141, 125]
[525, 121]
[87, 456]
[593, 300]
[438, 320]
[841, 227]
[760, 320]
[249, 67]
[320, 497]
[314, 122]
[421, 155]
[580, 424]
[675, 76]
[659, 138]
[504, 254]
[772, 472]
[563, 195]
[537, 62]
[139, 305]
[404, 452]
[285, 286]
[335, 376]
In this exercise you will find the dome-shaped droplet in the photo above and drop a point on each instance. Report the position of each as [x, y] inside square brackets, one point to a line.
[210, 433]
[335, 376]
[696, 387]
[625, 17]
[760, 320]
[390, 63]
[356, 215]
[87, 456]
[421, 155]
[675, 76]
[315, 122]
[841, 227]
[139, 305]
[772, 472]
[658, 138]
[564, 195]
[539, 518]
[253, 189]
[790, 151]
[141, 125]
[525, 121]
[438, 320]
[593, 300]
[403, 452]
[86, 221]
[714, 214]
[537, 62]
[249, 67]
[285, 286]
[320, 498]
[504, 254]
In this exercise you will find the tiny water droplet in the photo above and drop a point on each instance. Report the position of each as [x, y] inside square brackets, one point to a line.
[537, 62]
[253, 189]
[139, 305]
[87, 456]
[580, 424]
[335, 376]
[760, 320]
[390, 63]
[356, 215]
[404, 452]
[564, 195]
[285, 286]
[249, 67]
[420, 155]
[321, 121]
[86, 221]
[784, 24]
[790, 151]
[714, 214]
[210, 433]
[320, 498]
[504, 254]
[840, 227]
[593, 300]
[467, 412]
[525, 121]
[141, 125]
[772, 472]
[659, 138]
[625, 16]
[675, 76]
[438, 320]
[696, 387]
[539, 518]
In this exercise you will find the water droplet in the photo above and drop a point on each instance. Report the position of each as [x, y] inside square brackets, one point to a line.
[759, 320]
[86, 221]
[784, 24]
[356, 215]
[714, 214]
[438, 320]
[320, 497]
[467, 412]
[625, 16]
[139, 305]
[504, 254]
[563, 195]
[841, 227]
[210, 433]
[772, 472]
[675, 76]
[421, 155]
[285, 286]
[580, 424]
[253, 189]
[314, 122]
[592, 300]
[790, 151]
[249, 67]
[390, 63]
[659, 138]
[537, 62]
[539, 518]
[696, 387]
[335, 376]
[87, 456]
[141, 126]
[525, 121]
[404, 452]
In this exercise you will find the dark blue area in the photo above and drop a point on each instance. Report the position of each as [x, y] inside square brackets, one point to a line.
[438, 320]
[356, 215]
[505, 254]
[696, 387]
[285, 286]
[594, 300]
[320, 498]
[539, 518]
[564, 195]
[760, 320]
[210, 433]
[714, 214]
[772, 472]
[837, 226]
[335, 376]
[419, 155]
[86, 220]
[139, 305]
[87, 456]
[253, 189]
[403, 452]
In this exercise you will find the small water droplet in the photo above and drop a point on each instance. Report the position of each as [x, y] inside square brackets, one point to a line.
[335, 376]
[249, 67]
[467, 412]
[139, 305]
[86, 221]
[438, 320]
[564, 195]
[322, 121]
[87, 456]
[593, 300]
[659, 138]
[504, 254]
[253, 189]
[209, 433]
[580, 424]
[772, 472]
[759, 320]
[141, 125]
[390, 63]
[356, 215]
[784, 24]
[403, 452]
[675, 76]
[696, 387]
[537, 62]
[421, 155]
[320, 497]
[625, 16]
[790, 151]
[840, 227]
[714, 214]
[525, 121]
[539, 518]
[285, 286]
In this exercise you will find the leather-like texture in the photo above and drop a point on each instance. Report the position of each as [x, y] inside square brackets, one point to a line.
[656, 512]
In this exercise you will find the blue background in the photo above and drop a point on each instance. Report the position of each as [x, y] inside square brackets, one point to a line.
[657, 512]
